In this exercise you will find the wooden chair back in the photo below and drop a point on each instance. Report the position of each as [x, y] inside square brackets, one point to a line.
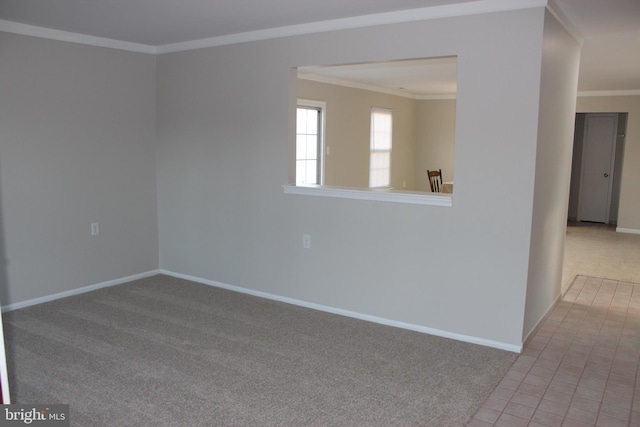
[435, 180]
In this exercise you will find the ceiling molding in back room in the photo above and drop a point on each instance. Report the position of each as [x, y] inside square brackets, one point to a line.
[610, 93]
[434, 12]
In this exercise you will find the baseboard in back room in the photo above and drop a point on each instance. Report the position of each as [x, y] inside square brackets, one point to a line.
[627, 230]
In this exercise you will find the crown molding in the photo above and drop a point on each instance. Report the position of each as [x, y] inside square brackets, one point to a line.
[411, 15]
[436, 97]
[609, 93]
[553, 8]
[66, 36]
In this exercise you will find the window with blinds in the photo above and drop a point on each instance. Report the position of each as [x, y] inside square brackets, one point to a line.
[381, 141]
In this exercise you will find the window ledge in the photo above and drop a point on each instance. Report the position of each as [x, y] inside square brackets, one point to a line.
[387, 195]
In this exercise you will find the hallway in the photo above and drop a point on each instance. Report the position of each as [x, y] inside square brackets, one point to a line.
[580, 367]
[597, 250]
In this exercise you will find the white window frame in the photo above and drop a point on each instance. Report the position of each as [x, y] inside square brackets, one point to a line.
[322, 106]
[380, 145]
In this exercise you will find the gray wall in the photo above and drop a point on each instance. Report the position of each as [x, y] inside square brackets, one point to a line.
[576, 165]
[558, 90]
[77, 146]
[617, 172]
[77, 135]
[224, 134]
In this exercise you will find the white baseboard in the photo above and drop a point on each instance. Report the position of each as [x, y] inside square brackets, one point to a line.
[293, 301]
[47, 298]
[627, 230]
[353, 314]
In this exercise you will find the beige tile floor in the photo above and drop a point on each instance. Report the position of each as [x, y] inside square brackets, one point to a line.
[580, 368]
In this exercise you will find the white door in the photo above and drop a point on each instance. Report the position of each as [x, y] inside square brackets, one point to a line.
[597, 167]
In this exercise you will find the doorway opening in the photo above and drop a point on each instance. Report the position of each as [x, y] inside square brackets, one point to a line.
[598, 151]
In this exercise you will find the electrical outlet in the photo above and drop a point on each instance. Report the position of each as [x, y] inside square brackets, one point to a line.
[306, 241]
[95, 228]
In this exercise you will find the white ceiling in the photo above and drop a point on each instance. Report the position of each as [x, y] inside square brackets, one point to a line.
[414, 78]
[610, 28]
[161, 22]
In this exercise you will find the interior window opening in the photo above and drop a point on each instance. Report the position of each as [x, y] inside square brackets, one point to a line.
[309, 143]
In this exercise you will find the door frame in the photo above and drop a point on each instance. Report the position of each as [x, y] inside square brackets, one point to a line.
[611, 165]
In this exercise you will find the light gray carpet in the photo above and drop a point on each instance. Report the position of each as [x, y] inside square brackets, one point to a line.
[599, 251]
[168, 352]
